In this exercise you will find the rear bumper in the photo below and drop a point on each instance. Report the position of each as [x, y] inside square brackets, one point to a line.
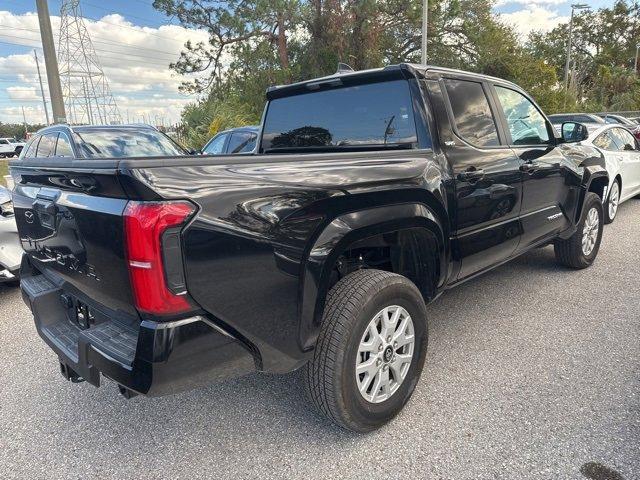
[155, 359]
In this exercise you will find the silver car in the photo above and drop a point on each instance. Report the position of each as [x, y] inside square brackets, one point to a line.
[10, 248]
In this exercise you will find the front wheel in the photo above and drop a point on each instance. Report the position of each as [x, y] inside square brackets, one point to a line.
[370, 351]
[611, 208]
[581, 249]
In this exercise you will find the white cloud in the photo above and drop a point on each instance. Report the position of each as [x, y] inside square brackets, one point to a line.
[135, 61]
[22, 93]
[533, 18]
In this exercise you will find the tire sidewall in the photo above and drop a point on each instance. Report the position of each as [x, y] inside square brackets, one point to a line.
[369, 416]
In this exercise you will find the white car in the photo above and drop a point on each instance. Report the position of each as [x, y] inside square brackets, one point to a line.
[622, 154]
[9, 147]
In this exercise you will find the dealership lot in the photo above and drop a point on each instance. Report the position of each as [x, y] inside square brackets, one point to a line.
[533, 371]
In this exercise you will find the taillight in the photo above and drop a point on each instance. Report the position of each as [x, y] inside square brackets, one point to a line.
[152, 233]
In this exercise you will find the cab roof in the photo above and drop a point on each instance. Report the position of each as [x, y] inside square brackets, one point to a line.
[352, 77]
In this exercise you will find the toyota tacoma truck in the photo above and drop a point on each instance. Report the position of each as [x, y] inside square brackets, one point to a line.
[370, 194]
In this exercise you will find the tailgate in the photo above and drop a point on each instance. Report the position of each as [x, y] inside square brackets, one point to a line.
[71, 226]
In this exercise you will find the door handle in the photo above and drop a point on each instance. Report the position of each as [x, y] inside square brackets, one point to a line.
[471, 175]
[528, 167]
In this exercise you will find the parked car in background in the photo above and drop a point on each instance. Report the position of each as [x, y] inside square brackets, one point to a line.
[371, 194]
[584, 118]
[633, 127]
[10, 147]
[235, 140]
[621, 151]
[101, 141]
[10, 249]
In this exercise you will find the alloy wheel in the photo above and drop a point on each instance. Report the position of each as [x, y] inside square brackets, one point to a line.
[590, 231]
[385, 354]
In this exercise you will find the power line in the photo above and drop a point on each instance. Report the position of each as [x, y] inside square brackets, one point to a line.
[106, 42]
[98, 50]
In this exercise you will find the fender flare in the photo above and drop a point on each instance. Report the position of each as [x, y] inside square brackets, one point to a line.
[343, 231]
[591, 173]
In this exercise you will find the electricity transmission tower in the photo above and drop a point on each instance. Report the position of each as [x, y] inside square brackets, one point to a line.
[86, 92]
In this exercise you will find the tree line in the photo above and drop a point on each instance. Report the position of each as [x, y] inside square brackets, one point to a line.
[257, 43]
[16, 130]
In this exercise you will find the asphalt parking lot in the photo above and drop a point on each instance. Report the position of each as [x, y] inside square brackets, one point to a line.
[533, 371]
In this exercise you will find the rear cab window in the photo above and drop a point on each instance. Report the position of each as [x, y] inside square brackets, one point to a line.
[370, 115]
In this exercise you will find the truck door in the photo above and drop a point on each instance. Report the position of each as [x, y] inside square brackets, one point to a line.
[544, 189]
[486, 176]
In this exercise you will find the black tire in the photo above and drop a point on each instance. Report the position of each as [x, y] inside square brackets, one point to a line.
[331, 375]
[608, 219]
[569, 252]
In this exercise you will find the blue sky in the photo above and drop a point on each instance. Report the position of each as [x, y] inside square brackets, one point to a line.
[139, 12]
[136, 47]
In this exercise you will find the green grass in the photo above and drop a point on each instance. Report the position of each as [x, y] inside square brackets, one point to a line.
[4, 170]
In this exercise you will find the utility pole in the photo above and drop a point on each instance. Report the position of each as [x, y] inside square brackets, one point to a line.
[24, 119]
[635, 64]
[575, 6]
[51, 63]
[44, 100]
[425, 17]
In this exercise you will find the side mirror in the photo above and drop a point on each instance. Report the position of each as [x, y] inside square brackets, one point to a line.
[574, 132]
[628, 147]
[194, 152]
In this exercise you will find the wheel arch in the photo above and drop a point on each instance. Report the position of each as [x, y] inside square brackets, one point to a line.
[414, 232]
[596, 180]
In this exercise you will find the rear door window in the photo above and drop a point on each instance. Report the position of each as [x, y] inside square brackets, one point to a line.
[47, 145]
[63, 148]
[369, 115]
[605, 142]
[471, 112]
[241, 142]
[216, 146]
[623, 139]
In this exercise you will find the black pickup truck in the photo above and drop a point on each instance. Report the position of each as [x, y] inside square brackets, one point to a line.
[370, 194]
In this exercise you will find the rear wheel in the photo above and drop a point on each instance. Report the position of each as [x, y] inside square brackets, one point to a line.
[611, 208]
[370, 351]
[581, 249]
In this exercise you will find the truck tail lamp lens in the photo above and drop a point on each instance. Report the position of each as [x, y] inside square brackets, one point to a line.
[154, 255]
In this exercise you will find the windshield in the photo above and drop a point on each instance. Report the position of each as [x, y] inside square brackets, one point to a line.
[369, 115]
[117, 143]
